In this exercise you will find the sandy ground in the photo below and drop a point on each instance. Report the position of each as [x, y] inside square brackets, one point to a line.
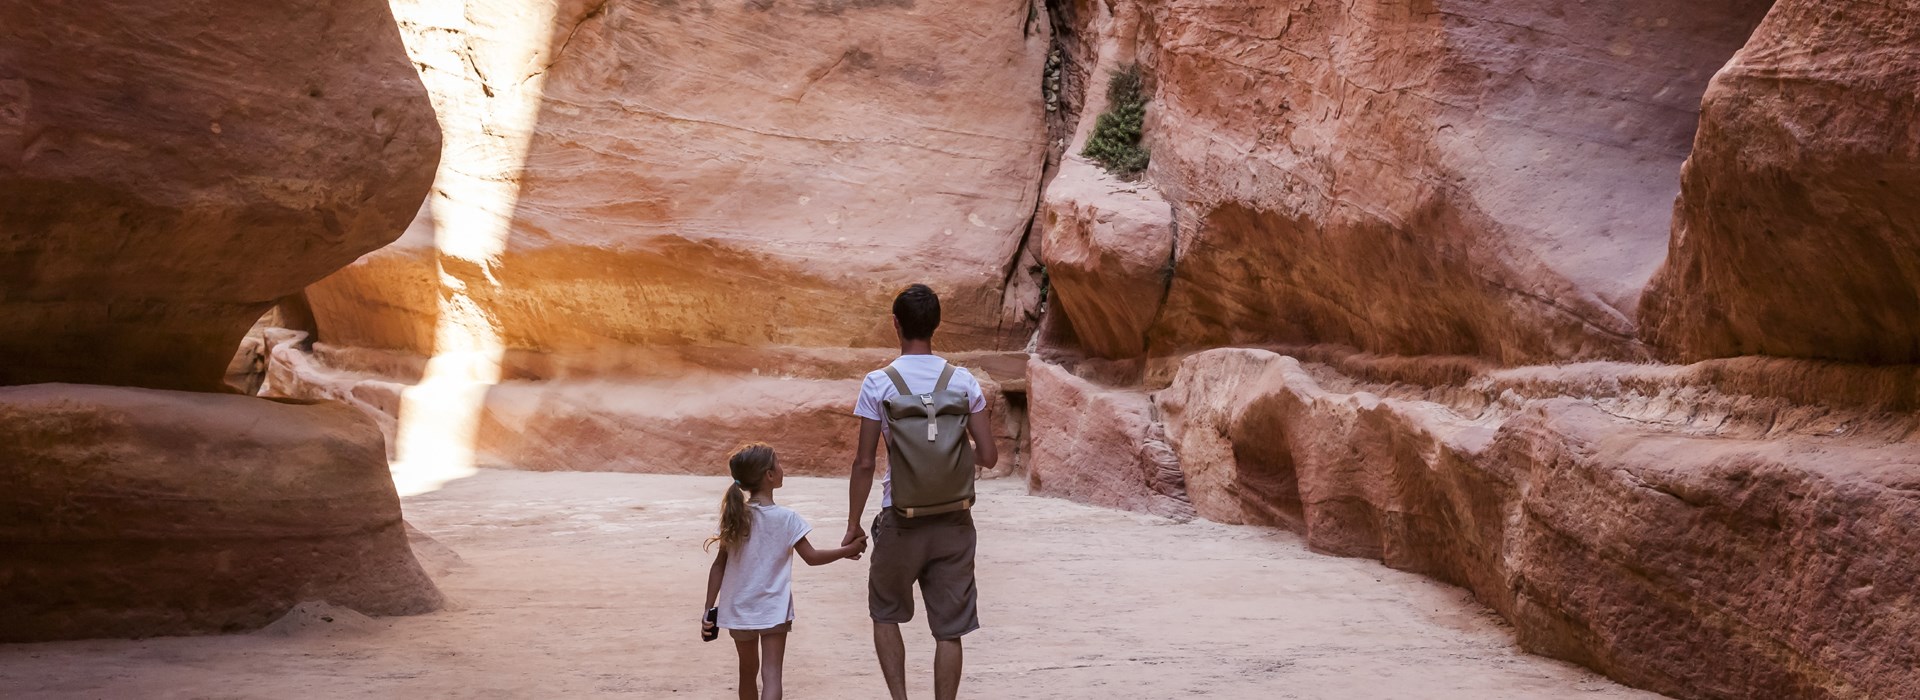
[588, 585]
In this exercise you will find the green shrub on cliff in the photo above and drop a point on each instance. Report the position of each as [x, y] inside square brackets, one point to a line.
[1115, 142]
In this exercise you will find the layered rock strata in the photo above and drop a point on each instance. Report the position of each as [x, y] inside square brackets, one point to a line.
[134, 512]
[1701, 531]
[169, 170]
[734, 174]
[650, 412]
[666, 221]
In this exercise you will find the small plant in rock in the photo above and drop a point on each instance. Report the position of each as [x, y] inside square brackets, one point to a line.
[1115, 142]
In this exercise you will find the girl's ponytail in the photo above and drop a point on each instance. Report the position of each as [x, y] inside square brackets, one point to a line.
[749, 466]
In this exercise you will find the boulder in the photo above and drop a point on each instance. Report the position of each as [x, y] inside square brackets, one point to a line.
[1797, 232]
[168, 170]
[1639, 521]
[1108, 249]
[137, 512]
[1100, 446]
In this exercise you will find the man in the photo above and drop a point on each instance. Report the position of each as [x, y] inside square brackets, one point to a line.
[936, 549]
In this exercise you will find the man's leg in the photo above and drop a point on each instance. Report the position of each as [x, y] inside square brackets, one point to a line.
[892, 651]
[897, 557]
[947, 585]
[946, 670]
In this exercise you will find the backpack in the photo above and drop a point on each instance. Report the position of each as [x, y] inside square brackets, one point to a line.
[928, 452]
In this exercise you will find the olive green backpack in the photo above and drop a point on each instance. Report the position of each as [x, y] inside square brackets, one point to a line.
[928, 452]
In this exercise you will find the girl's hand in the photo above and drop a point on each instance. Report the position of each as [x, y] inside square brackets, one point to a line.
[859, 546]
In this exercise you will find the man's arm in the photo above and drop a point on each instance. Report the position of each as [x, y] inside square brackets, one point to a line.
[980, 428]
[860, 486]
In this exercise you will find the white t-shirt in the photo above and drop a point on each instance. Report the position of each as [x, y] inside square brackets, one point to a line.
[757, 590]
[921, 372]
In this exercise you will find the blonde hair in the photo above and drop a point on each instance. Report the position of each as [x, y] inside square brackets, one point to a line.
[749, 465]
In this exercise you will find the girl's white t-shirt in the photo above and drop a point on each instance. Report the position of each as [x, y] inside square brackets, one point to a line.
[757, 590]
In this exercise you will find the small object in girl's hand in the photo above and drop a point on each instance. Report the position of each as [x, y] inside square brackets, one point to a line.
[710, 625]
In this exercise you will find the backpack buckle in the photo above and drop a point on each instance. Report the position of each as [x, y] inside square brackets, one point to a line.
[933, 427]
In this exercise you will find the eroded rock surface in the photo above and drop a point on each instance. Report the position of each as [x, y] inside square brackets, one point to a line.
[168, 170]
[1109, 256]
[1636, 520]
[651, 413]
[1798, 231]
[1473, 178]
[1100, 446]
[134, 512]
[721, 174]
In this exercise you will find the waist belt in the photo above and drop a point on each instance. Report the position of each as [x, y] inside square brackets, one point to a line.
[918, 511]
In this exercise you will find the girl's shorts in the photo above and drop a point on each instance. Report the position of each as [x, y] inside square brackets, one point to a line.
[750, 635]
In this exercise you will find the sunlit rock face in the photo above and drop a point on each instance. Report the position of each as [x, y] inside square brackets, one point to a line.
[136, 512]
[169, 170]
[1798, 231]
[637, 174]
[729, 194]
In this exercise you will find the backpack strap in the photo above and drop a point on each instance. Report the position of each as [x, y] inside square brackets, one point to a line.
[899, 383]
[946, 375]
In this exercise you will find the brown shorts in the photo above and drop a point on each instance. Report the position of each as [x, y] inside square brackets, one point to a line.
[936, 551]
[750, 635]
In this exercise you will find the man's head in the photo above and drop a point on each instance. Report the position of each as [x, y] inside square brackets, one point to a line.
[916, 312]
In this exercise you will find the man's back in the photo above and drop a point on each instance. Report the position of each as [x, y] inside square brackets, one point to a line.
[921, 373]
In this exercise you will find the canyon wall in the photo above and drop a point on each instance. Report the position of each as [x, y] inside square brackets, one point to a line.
[1450, 228]
[168, 171]
[1451, 178]
[1443, 225]
[660, 173]
[644, 197]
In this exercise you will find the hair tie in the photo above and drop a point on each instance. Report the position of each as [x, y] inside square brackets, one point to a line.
[737, 484]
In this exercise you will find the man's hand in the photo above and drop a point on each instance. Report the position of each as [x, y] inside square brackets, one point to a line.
[854, 532]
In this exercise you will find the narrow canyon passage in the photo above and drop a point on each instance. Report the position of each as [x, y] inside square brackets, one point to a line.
[587, 585]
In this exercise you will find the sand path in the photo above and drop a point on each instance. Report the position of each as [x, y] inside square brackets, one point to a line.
[588, 585]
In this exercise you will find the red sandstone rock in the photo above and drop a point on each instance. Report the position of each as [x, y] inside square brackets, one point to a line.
[652, 413]
[1465, 178]
[168, 170]
[134, 512]
[734, 174]
[1100, 446]
[1109, 251]
[1653, 540]
[1798, 230]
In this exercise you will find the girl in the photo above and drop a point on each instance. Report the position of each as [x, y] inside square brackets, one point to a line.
[752, 576]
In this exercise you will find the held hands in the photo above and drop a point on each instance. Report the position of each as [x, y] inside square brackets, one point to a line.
[856, 538]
